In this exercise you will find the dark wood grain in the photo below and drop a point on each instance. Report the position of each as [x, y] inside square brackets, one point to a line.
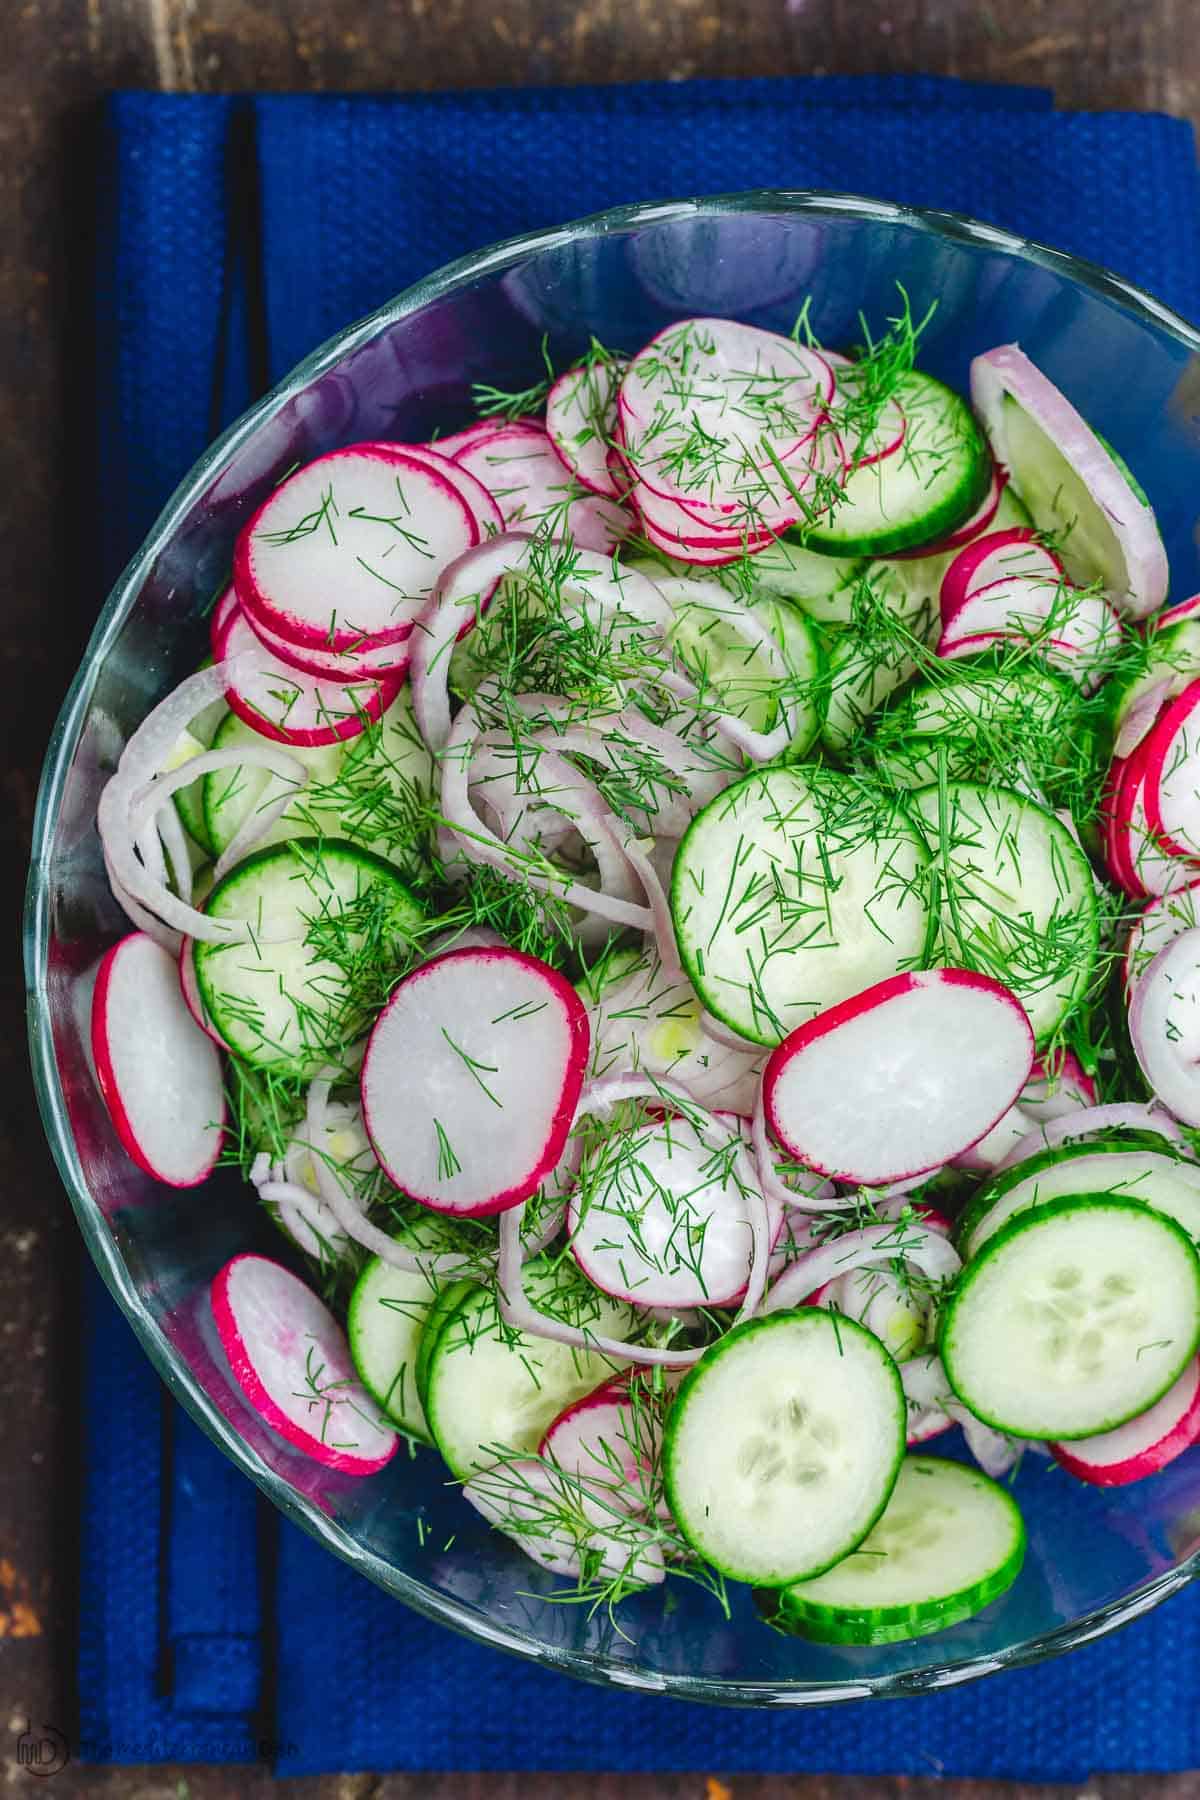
[56, 56]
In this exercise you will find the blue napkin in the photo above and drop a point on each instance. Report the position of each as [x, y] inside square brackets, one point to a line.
[235, 235]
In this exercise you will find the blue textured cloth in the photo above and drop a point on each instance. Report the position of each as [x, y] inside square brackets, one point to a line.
[353, 199]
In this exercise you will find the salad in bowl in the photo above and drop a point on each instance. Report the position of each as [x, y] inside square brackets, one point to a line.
[678, 900]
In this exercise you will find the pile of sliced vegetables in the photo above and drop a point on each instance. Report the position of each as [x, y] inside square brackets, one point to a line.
[685, 911]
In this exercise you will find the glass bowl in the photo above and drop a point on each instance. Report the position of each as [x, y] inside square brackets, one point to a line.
[1096, 1558]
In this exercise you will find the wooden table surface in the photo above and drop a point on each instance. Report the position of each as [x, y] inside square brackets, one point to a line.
[56, 57]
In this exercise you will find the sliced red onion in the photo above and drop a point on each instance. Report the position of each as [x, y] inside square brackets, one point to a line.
[927, 1389]
[1140, 586]
[759, 746]
[138, 782]
[871, 1245]
[1124, 1115]
[480, 844]
[163, 935]
[656, 899]
[464, 590]
[169, 827]
[649, 1020]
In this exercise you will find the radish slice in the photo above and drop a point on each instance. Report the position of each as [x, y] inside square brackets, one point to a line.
[363, 663]
[1007, 585]
[345, 552]
[471, 1078]
[1070, 481]
[446, 464]
[1136, 859]
[287, 704]
[1144, 1445]
[581, 414]
[710, 408]
[159, 1074]
[900, 1078]
[661, 1215]
[1165, 918]
[559, 1523]
[470, 435]
[534, 489]
[610, 1443]
[1164, 1026]
[1171, 776]
[289, 1356]
[1141, 718]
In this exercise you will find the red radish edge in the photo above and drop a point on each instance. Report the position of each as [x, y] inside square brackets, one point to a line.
[380, 692]
[1118, 1464]
[564, 1112]
[1156, 746]
[870, 999]
[956, 582]
[106, 1075]
[969, 530]
[303, 631]
[245, 1373]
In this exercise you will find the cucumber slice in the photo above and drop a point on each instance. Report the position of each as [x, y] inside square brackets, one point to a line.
[386, 1318]
[1062, 504]
[982, 724]
[794, 889]
[443, 1308]
[740, 676]
[821, 586]
[345, 919]
[491, 1392]
[1017, 899]
[1121, 1168]
[1076, 1316]
[950, 1542]
[783, 1444]
[371, 789]
[931, 484]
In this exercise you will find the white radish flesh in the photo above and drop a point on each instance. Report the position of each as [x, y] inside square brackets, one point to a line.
[900, 1078]
[609, 1442]
[159, 1074]
[471, 1078]
[288, 1355]
[535, 489]
[581, 414]
[291, 705]
[662, 1215]
[345, 552]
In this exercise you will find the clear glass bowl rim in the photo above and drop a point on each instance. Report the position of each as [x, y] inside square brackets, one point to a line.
[495, 259]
